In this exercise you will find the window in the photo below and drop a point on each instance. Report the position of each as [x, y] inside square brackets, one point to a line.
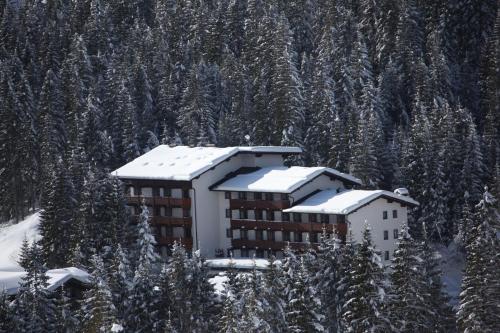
[269, 197]
[386, 234]
[270, 235]
[324, 218]
[386, 255]
[185, 193]
[395, 233]
[244, 234]
[297, 217]
[258, 214]
[229, 233]
[257, 196]
[227, 195]
[168, 211]
[284, 196]
[297, 237]
[187, 233]
[394, 214]
[259, 235]
[313, 237]
[167, 192]
[270, 215]
[285, 217]
[244, 253]
[384, 215]
[340, 218]
[242, 195]
[259, 253]
[228, 213]
[312, 218]
[286, 236]
[186, 212]
[243, 214]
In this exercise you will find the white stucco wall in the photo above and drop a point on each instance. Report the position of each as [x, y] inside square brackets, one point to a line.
[208, 208]
[373, 215]
[322, 182]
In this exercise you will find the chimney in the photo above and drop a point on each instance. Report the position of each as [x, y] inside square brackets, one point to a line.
[402, 191]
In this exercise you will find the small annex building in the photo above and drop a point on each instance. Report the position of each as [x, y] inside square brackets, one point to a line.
[244, 201]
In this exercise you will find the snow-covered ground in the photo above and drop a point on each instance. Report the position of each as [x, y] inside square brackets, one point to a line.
[11, 239]
[452, 265]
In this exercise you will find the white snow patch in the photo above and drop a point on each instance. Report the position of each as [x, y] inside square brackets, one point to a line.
[116, 328]
[11, 240]
[219, 282]
[452, 264]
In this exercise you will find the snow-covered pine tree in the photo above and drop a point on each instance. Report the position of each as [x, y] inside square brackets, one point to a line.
[120, 280]
[478, 309]
[143, 298]
[7, 315]
[252, 316]
[98, 311]
[66, 316]
[57, 224]
[365, 296]
[34, 305]
[407, 307]
[302, 304]
[230, 313]
[274, 297]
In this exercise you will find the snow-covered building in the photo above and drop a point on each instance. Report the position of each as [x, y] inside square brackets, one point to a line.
[243, 200]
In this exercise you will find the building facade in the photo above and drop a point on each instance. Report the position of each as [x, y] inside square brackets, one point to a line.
[244, 201]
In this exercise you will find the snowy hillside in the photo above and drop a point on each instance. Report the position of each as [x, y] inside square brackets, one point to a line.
[11, 239]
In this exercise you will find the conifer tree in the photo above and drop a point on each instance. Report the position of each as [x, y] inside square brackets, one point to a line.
[143, 310]
[98, 311]
[7, 315]
[407, 307]
[57, 225]
[480, 288]
[364, 309]
[34, 306]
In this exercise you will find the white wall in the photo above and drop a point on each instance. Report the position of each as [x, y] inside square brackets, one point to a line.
[322, 182]
[372, 214]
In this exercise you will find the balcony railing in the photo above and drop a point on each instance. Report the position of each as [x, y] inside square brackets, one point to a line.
[340, 228]
[172, 221]
[259, 204]
[269, 244]
[160, 201]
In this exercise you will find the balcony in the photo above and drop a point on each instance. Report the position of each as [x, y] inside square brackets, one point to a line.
[259, 204]
[341, 228]
[172, 221]
[169, 240]
[160, 201]
[268, 245]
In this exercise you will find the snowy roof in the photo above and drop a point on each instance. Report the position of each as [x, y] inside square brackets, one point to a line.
[237, 263]
[185, 163]
[9, 281]
[279, 179]
[331, 202]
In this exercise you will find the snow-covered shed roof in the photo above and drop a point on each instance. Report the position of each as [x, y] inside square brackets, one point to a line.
[185, 163]
[237, 263]
[280, 179]
[9, 281]
[346, 202]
